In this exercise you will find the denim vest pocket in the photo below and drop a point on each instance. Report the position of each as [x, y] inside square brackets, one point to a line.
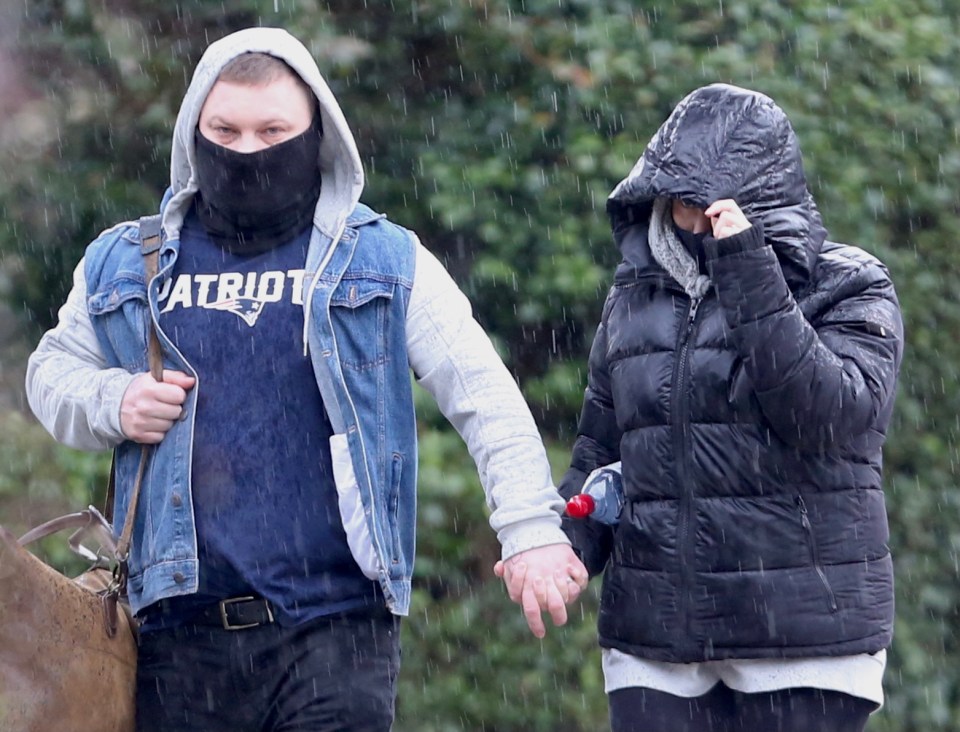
[361, 307]
[351, 508]
[119, 312]
[394, 504]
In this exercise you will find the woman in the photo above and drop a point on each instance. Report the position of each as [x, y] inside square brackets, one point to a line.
[744, 372]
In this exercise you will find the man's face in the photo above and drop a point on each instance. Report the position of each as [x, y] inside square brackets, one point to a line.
[247, 118]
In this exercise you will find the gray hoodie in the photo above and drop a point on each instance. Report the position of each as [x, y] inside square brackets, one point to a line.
[339, 160]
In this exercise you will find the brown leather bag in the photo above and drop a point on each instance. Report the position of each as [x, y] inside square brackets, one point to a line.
[68, 651]
[68, 655]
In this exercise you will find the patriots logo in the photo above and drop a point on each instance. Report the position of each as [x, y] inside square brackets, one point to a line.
[246, 308]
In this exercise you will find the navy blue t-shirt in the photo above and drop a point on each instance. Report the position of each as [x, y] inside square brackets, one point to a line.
[263, 491]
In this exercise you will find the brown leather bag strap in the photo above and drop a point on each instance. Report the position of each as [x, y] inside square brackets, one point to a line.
[89, 518]
[111, 496]
[151, 237]
[87, 523]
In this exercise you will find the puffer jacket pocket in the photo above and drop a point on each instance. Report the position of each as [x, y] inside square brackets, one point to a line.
[814, 549]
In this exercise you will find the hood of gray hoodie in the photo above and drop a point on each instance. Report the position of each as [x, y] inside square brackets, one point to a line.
[722, 141]
[339, 161]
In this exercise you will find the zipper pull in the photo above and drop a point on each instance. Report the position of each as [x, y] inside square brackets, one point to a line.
[804, 516]
[692, 315]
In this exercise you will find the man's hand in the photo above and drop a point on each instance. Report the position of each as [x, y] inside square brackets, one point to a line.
[726, 218]
[546, 578]
[150, 407]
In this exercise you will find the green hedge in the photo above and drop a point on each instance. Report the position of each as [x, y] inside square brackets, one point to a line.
[495, 129]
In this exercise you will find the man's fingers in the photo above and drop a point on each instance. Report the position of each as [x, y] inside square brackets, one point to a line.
[531, 611]
[561, 584]
[557, 592]
[544, 579]
[514, 577]
[149, 438]
[160, 410]
[168, 393]
[148, 430]
[550, 599]
[555, 605]
[538, 596]
[154, 424]
[578, 573]
[178, 378]
[150, 408]
[540, 591]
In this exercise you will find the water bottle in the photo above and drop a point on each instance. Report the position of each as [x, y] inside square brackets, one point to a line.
[601, 497]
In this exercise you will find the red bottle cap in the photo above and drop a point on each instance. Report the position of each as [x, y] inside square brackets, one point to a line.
[581, 506]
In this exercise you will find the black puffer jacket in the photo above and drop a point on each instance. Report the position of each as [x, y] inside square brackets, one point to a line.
[749, 411]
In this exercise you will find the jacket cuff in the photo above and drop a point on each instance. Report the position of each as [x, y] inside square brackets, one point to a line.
[530, 534]
[747, 240]
[112, 395]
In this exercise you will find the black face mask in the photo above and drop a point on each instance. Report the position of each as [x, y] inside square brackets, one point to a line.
[693, 243]
[252, 202]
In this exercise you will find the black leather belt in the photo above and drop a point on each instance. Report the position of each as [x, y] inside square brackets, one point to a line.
[235, 613]
[248, 611]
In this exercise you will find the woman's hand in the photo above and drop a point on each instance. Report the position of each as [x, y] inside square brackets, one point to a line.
[726, 218]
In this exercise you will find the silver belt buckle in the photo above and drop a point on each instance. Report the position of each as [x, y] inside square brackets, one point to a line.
[243, 626]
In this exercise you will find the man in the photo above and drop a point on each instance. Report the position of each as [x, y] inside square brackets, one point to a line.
[274, 539]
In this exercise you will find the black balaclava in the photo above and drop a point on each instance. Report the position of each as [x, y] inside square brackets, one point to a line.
[253, 202]
[693, 243]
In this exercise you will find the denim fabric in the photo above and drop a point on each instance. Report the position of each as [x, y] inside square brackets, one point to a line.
[356, 292]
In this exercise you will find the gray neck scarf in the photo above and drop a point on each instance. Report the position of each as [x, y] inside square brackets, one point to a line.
[670, 253]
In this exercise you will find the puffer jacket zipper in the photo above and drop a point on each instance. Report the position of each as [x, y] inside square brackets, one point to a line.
[689, 648]
[815, 554]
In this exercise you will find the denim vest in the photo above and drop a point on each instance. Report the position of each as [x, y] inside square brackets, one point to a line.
[356, 292]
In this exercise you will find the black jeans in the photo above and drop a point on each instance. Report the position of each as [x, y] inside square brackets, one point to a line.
[723, 710]
[329, 675]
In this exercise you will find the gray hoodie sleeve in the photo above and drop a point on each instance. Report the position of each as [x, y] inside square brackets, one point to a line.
[69, 386]
[455, 361]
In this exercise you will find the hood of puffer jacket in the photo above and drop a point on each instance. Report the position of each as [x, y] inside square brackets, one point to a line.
[722, 141]
[338, 160]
